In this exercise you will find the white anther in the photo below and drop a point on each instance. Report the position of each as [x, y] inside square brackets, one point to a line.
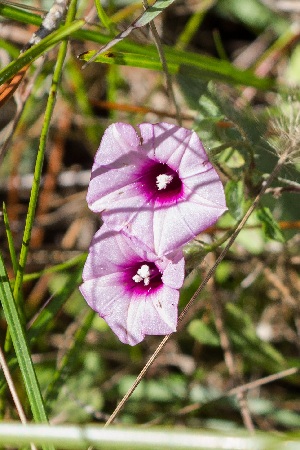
[142, 274]
[163, 180]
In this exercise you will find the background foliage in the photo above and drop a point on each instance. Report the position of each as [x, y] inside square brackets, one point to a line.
[234, 70]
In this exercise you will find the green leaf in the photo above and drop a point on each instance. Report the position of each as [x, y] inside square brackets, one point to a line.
[234, 191]
[203, 333]
[253, 13]
[192, 89]
[46, 316]
[244, 338]
[152, 12]
[269, 225]
[21, 348]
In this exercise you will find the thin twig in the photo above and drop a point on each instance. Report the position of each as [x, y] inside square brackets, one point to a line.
[13, 392]
[164, 64]
[262, 381]
[229, 358]
[50, 23]
[244, 388]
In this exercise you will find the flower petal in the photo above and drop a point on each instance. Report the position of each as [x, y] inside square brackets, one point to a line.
[117, 164]
[132, 317]
[173, 275]
[123, 206]
[106, 296]
[106, 254]
[205, 186]
[165, 142]
[124, 185]
[119, 139]
[161, 312]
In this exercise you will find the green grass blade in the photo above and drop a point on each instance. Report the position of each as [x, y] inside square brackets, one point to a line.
[45, 318]
[190, 29]
[11, 49]
[39, 49]
[104, 19]
[10, 241]
[21, 348]
[11, 12]
[70, 357]
[70, 263]
[184, 63]
[47, 315]
[130, 59]
[189, 62]
[146, 17]
[41, 151]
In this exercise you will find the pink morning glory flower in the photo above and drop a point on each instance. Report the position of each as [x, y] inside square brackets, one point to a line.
[134, 290]
[158, 186]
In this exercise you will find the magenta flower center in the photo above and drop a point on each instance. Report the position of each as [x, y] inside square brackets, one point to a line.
[160, 182]
[143, 276]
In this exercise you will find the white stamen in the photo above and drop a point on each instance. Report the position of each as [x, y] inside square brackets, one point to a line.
[137, 278]
[142, 274]
[163, 180]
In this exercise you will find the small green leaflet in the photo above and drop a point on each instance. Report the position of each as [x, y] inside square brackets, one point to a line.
[234, 191]
[269, 224]
[143, 20]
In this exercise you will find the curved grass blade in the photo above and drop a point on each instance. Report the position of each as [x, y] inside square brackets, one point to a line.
[183, 63]
[21, 348]
[10, 241]
[129, 59]
[37, 50]
[14, 13]
[45, 318]
[42, 147]
[69, 357]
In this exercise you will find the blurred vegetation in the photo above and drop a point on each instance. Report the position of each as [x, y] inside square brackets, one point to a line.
[235, 71]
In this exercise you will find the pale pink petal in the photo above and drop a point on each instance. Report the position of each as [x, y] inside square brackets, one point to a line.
[135, 319]
[132, 317]
[141, 228]
[195, 160]
[119, 139]
[124, 206]
[171, 230]
[107, 296]
[118, 163]
[165, 142]
[205, 186]
[124, 185]
[173, 275]
[103, 294]
[161, 312]
[176, 225]
[101, 259]
[153, 314]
